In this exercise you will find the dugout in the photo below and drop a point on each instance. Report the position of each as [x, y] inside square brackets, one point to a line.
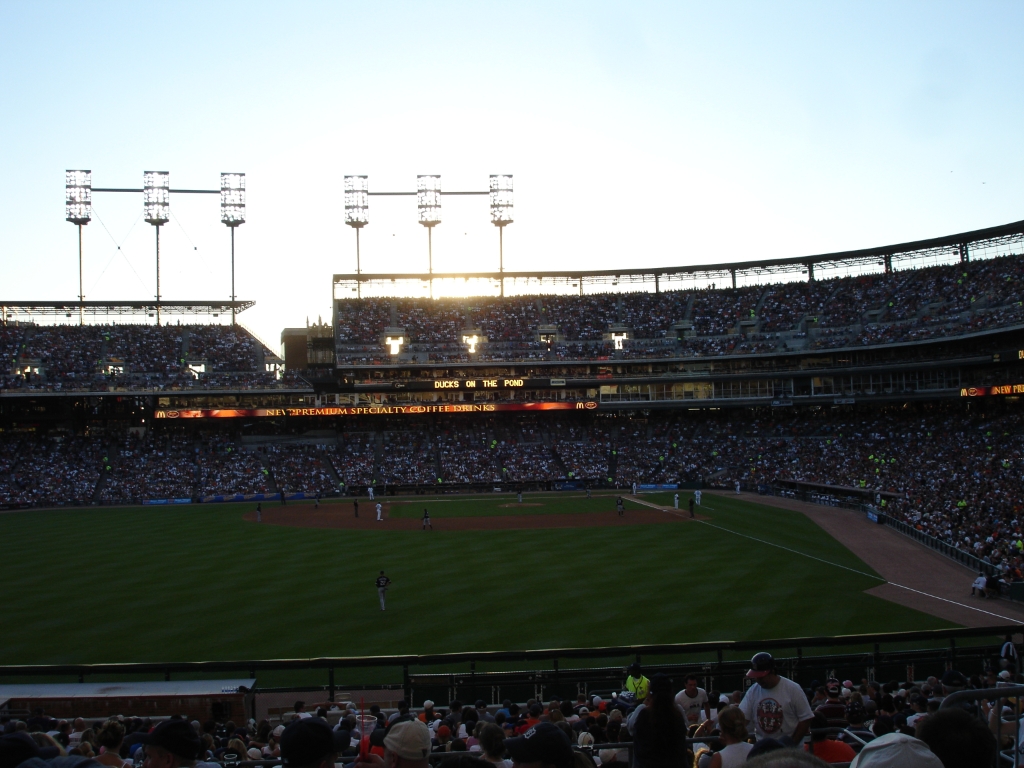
[202, 700]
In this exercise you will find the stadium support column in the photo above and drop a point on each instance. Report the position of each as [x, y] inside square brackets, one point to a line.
[357, 209]
[156, 201]
[78, 210]
[428, 205]
[81, 291]
[232, 275]
[888, 263]
[733, 273]
[965, 254]
[501, 215]
[157, 275]
[232, 215]
[810, 272]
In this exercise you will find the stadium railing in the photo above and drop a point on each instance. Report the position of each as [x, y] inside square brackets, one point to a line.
[541, 674]
[938, 545]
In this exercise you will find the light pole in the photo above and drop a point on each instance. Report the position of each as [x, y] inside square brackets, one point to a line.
[232, 214]
[357, 215]
[156, 200]
[428, 203]
[501, 215]
[78, 210]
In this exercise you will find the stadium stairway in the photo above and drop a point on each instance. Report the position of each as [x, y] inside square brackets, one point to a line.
[271, 480]
[328, 465]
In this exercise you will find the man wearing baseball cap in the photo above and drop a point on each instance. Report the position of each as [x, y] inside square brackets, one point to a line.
[308, 743]
[775, 706]
[172, 744]
[406, 745]
[544, 745]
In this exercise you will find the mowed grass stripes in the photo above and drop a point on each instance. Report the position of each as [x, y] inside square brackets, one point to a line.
[200, 583]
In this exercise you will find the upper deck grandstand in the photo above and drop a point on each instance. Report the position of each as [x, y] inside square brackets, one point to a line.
[945, 287]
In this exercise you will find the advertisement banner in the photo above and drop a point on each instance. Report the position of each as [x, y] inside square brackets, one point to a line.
[368, 410]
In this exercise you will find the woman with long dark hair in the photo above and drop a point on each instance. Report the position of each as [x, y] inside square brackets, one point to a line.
[659, 732]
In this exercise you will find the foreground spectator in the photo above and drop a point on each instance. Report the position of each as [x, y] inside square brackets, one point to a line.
[544, 745]
[172, 744]
[659, 732]
[958, 739]
[775, 705]
[896, 750]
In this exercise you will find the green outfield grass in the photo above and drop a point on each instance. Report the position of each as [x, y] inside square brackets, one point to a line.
[200, 583]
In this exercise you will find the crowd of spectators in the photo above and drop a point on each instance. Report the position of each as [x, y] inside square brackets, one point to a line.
[223, 347]
[145, 348]
[875, 309]
[151, 466]
[408, 458]
[832, 721]
[300, 468]
[354, 458]
[51, 470]
[466, 457]
[225, 469]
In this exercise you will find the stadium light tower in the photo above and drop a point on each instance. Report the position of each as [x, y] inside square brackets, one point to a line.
[156, 201]
[357, 209]
[232, 214]
[78, 210]
[501, 214]
[428, 203]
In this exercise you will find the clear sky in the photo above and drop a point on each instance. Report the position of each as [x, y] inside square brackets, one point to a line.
[639, 134]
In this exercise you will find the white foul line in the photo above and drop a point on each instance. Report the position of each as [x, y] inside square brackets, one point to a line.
[826, 562]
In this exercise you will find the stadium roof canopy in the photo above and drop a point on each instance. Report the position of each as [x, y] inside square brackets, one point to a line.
[10, 309]
[982, 243]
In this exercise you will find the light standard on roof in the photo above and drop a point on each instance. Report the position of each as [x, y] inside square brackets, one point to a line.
[501, 214]
[357, 209]
[78, 210]
[428, 203]
[156, 200]
[232, 214]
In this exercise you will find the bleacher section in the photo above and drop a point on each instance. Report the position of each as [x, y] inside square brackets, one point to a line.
[869, 310]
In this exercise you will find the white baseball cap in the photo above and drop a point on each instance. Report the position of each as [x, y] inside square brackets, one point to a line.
[896, 750]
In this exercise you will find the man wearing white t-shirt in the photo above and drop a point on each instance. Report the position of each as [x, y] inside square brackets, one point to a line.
[775, 706]
[694, 702]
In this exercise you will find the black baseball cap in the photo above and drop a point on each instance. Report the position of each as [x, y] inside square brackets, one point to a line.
[543, 743]
[307, 741]
[762, 664]
[954, 679]
[175, 736]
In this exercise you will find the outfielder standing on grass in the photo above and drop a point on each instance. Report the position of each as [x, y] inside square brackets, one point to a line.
[382, 588]
[620, 507]
[426, 520]
[697, 496]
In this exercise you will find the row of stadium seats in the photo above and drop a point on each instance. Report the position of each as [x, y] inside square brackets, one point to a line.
[172, 357]
[822, 314]
[952, 474]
